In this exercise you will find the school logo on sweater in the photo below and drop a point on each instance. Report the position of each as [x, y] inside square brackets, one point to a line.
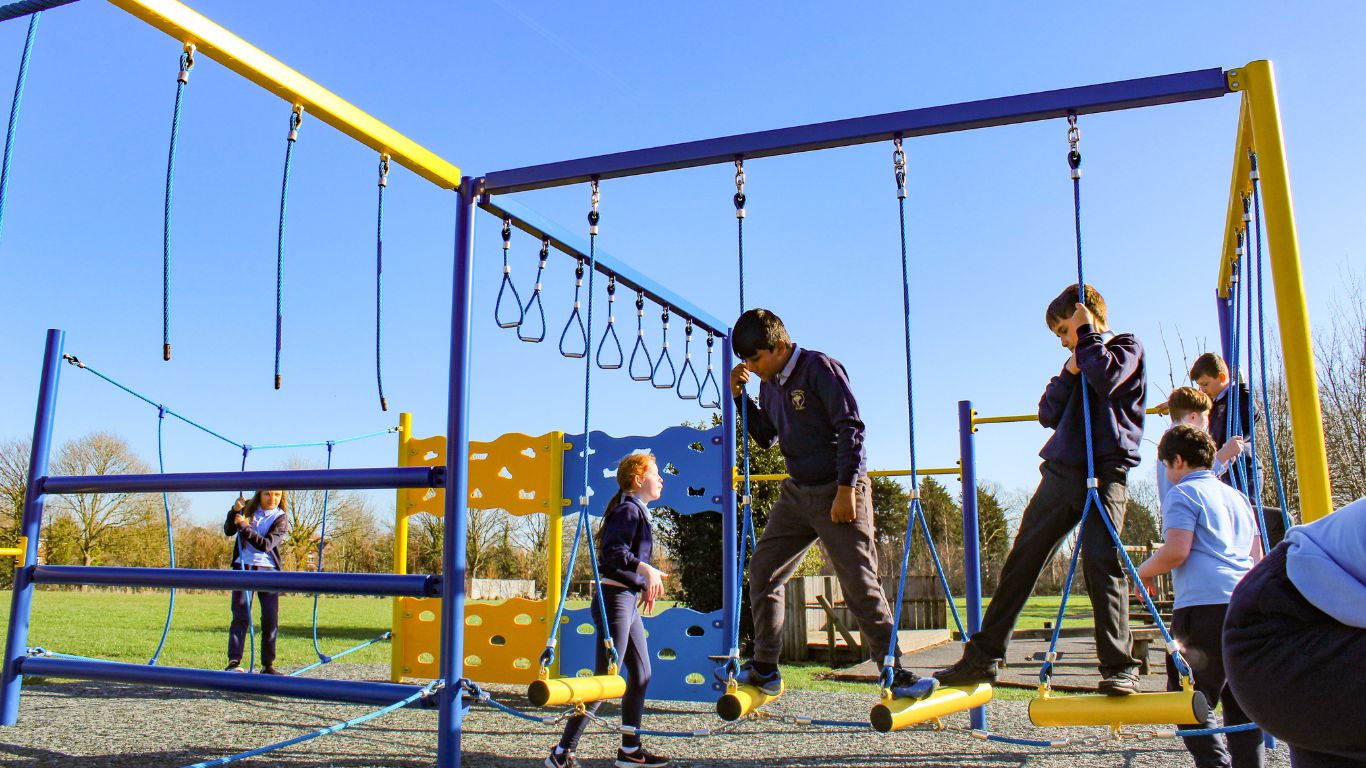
[798, 398]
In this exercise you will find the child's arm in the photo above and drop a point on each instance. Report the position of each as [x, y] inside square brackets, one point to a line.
[617, 534]
[1171, 554]
[760, 426]
[840, 406]
[278, 530]
[1055, 397]
[1107, 366]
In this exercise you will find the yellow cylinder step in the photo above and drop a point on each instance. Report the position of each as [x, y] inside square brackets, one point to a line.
[558, 691]
[895, 714]
[1179, 707]
[741, 701]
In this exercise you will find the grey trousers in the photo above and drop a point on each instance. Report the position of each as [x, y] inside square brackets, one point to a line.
[800, 517]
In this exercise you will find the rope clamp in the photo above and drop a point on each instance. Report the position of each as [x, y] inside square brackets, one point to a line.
[1092, 482]
[296, 119]
[507, 232]
[593, 217]
[739, 188]
[384, 169]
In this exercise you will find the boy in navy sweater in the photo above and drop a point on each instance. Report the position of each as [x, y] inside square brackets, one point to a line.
[1116, 388]
[807, 408]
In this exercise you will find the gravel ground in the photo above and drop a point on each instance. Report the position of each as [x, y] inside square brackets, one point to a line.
[86, 724]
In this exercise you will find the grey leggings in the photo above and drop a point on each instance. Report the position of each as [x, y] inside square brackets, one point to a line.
[628, 636]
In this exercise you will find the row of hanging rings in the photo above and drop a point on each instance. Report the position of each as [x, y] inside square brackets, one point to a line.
[660, 371]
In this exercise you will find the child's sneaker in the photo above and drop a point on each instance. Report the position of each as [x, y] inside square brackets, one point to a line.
[641, 758]
[558, 759]
[234, 666]
[771, 683]
[905, 685]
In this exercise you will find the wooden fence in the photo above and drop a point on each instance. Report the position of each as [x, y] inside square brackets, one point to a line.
[922, 607]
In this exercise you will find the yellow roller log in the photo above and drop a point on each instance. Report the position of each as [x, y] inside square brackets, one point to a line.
[741, 700]
[558, 691]
[1180, 707]
[894, 714]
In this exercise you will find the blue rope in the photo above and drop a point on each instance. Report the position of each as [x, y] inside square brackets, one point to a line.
[1233, 410]
[29, 7]
[507, 284]
[640, 344]
[747, 538]
[575, 316]
[426, 691]
[379, 280]
[1254, 475]
[536, 299]
[611, 329]
[1212, 731]
[76, 362]
[321, 443]
[251, 596]
[322, 545]
[182, 79]
[170, 537]
[688, 368]
[1261, 342]
[915, 511]
[295, 119]
[664, 356]
[335, 656]
[14, 106]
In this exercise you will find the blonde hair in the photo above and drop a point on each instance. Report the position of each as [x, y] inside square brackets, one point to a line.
[631, 468]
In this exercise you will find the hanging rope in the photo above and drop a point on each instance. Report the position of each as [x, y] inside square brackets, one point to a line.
[379, 279]
[170, 534]
[182, 79]
[915, 512]
[296, 117]
[507, 283]
[1261, 344]
[1092, 482]
[1233, 422]
[664, 357]
[640, 344]
[710, 378]
[688, 368]
[536, 299]
[1253, 487]
[11, 131]
[322, 546]
[611, 329]
[575, 316]
[732, 664]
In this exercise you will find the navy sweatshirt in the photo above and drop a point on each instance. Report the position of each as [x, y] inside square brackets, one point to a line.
[625, 542]
[269, 543]
[814, 419]
[1218, 415]
[1117, 382]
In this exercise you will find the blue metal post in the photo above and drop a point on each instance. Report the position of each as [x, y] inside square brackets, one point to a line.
[730, 534]
[972, 545]
[21, 603]
[457, 481]
[1223, 310]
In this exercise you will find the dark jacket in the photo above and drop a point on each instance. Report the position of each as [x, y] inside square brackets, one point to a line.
[626, 542]
[1218, 415]
[1117, 382]
[270, 543]
[814, 419]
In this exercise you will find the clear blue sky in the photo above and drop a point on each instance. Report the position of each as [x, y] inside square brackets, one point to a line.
[501, 84]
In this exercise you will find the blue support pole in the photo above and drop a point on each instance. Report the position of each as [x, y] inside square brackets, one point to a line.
[731, 578]
[283, 480]
[1223, 310]
[353, 691]
[457, 488]
[21, 602]
[972, 545]
[373, 584]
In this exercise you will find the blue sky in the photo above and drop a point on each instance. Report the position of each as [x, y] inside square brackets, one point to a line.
[494, 85]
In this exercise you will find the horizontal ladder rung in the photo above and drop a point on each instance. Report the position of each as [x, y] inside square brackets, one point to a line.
[373, 584]
[276, 480]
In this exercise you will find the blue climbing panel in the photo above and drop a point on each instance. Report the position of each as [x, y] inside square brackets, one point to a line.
[689, 461]
[681, 641]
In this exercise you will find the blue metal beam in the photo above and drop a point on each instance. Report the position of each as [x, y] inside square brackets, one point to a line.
[1083, 100]
[561, 239]
[377, 584]
[29, 7]
[353, 691]
[280, 480]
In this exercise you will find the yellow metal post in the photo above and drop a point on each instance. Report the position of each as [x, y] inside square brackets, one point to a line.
[1258, 83]
[188, 26]
[554, 536]
[405, 433]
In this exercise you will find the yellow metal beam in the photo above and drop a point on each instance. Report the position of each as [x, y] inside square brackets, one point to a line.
[1241, 185]
[874, 473]
[1025, 417]
[188, 26]
[1257, 81]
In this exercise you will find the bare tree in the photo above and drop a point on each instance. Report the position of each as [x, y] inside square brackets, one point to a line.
[100, 516]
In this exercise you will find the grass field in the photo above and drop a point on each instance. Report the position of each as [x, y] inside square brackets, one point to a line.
[122, 626]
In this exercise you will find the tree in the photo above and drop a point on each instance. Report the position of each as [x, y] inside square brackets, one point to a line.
[14, 458]
[993, 533]
[1140, 526]
[100, 516]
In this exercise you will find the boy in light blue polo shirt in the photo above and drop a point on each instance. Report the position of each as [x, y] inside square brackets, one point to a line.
[1210, 543]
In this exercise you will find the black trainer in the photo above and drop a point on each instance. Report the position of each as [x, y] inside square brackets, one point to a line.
[234, 666]
[558, 759]
[641, 758]
[907, 685]
[972, 669]
[1118, 684]
[270, 670]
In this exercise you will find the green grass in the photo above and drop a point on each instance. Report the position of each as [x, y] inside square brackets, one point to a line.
[1041, 609]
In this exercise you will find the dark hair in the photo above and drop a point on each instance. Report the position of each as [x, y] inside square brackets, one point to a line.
[1062, 307]
[254, 505]
[1193, 445]
[1187, 400]
[1209, 364]
[756, 330]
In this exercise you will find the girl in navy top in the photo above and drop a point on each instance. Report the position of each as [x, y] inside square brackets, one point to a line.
[630, 586]
[258, 526]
